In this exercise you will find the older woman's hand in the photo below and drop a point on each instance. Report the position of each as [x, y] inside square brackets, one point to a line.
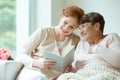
[68, 68]
[44, 63]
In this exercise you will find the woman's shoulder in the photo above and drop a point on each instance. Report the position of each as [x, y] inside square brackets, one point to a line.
[75, 39]
[113, 36]
[75, 36]
[45, 29]
[113, 39]
[42, 32]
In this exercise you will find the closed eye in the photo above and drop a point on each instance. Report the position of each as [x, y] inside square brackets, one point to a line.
[65, 22]
[72, 27]
[81, 27]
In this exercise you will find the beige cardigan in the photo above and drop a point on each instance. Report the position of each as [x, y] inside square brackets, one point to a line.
[41, 40]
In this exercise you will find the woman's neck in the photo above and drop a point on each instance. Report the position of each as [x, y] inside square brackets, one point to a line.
[97, 39]
[59, 37]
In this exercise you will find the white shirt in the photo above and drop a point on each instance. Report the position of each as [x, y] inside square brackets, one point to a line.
[101, 54]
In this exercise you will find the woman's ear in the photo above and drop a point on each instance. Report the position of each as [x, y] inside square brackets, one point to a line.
[97, 26]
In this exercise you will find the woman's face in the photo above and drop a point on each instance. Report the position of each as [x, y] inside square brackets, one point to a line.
[67, 25]
[88, 31]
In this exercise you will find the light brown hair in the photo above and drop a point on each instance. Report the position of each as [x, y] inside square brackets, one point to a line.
[72, 11]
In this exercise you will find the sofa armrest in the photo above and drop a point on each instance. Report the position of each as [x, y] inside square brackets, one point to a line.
[9, 69]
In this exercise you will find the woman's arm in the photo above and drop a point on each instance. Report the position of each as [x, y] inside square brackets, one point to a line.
[24, 56]
[111, 52]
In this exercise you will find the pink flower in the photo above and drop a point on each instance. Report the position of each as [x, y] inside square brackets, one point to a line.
[4, 54]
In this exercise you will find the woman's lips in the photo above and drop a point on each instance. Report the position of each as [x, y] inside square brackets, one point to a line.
[64, 31]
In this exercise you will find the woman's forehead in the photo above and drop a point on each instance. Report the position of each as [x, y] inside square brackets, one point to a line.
[71, 20]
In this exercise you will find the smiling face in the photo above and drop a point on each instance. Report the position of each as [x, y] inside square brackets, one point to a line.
[88, 31]
[69, 20]
[67, 25]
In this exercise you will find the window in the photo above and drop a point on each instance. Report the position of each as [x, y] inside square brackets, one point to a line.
[22, 22]
[14, 24]
[8, 24]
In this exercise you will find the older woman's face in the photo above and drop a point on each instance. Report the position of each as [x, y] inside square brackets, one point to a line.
[68, 25]
[87, 31]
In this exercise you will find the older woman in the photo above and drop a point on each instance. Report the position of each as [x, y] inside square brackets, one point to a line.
[97, 56]
[55, 39]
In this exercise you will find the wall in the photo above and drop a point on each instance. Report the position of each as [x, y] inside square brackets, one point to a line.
[46, 12]
[56, 7]
[41, 13]
[110, 9]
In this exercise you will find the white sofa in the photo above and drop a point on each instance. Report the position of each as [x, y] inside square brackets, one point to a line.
[9, 69]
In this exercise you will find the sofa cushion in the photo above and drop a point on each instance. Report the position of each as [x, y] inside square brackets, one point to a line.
[9, 69]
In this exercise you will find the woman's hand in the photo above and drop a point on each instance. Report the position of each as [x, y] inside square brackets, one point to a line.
[68, 68]
[44, 63]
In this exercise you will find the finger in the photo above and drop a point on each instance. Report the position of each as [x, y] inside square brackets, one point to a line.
[50, 62]
[48, 66]
[66, 71]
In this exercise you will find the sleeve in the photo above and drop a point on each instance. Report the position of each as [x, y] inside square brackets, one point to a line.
[75, 40]
[24, 56]
[76, 54]
[111, 54]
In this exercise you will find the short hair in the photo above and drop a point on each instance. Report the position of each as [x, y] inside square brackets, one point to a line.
[72, 11]
[93, 17]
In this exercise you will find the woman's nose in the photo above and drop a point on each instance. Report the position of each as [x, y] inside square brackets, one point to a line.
[66, 27]
[81, 31]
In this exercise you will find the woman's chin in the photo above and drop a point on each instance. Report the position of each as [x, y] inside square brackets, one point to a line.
[84, 38]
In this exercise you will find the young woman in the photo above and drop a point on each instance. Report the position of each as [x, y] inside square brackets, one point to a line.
[54, 39]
